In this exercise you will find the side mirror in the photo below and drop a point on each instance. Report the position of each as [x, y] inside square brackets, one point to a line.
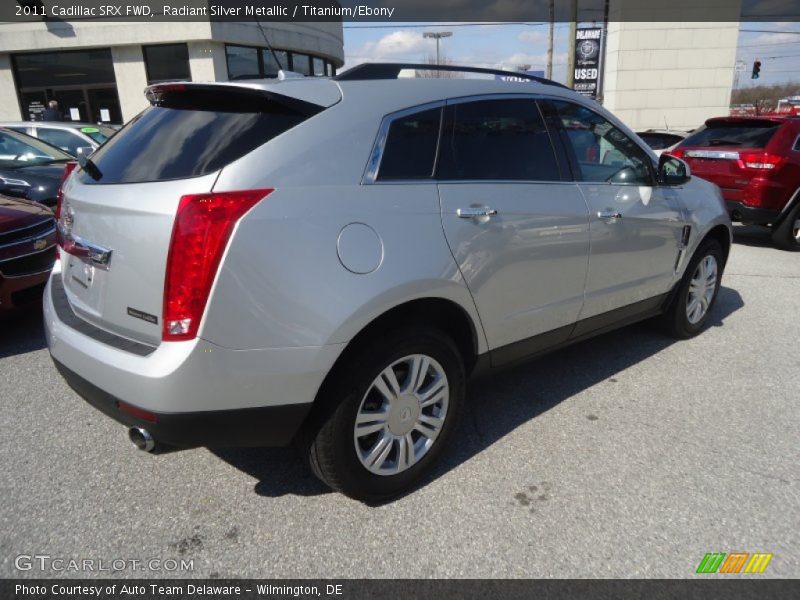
[85, 151]
[672, 171]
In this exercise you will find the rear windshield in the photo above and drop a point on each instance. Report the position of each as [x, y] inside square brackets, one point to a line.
[747, 134]
[188, 139]
[660, 141]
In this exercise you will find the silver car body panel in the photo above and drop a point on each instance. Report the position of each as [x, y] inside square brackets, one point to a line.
[287, 299]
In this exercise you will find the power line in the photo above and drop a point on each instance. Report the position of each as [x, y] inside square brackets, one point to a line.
[769, 31]
[769, 44]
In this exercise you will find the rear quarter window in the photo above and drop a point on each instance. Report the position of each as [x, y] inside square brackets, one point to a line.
[188, 140]
[411, 143]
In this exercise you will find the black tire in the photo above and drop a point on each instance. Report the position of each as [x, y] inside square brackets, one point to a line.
[329, 435]
[675, 320]
[785, 234]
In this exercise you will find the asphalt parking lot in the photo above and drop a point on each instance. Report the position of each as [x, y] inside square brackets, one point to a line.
[629, 455]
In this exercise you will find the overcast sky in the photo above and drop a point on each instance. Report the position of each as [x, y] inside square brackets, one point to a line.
[509, 46]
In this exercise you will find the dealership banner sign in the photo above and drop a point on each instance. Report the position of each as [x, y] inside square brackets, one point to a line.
[588, 61]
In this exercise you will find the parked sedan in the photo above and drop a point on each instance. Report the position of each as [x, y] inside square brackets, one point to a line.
[73, 138]
[29, 168]
[27, 251]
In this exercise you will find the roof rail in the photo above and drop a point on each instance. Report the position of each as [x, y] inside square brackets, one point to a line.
[372, 71]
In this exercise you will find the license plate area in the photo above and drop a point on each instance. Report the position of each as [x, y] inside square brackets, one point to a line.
[84, 284]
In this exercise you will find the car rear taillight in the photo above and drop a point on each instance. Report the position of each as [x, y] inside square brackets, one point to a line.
[677, 152]
[68, 169]
[203, 226]
[759, 160]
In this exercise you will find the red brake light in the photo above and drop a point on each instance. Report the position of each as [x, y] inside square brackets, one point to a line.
[677, 153]
[137, 412]
[68, 169]
[203, 226]
[759, 160]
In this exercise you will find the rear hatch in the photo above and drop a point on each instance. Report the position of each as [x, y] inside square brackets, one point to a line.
[729, 151]
[118, 211]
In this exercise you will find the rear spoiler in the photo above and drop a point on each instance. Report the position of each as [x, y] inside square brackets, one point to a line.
[226, 98]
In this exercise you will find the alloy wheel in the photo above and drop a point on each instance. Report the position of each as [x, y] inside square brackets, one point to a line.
[401, 415]
[702, 288]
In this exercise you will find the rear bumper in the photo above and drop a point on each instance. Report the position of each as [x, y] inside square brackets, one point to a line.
[201, 393]
[748, 214]
[265, 426]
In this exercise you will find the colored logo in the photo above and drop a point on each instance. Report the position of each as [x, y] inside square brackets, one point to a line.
[736, 562]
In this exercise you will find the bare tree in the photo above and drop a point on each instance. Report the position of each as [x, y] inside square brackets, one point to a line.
[433, 73]
[764, 98]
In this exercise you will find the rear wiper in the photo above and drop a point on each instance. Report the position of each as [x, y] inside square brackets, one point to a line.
[87, 165]
[724, 143]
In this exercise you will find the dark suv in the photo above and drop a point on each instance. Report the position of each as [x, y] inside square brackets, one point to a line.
[756, 163]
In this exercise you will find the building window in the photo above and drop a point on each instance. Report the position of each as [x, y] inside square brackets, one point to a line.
[301, 63]
[166, 62]
[271, 68]
[319, 67]
[244, 62]
[248, 62]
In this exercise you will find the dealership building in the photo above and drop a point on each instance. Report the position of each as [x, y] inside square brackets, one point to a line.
[97, 71]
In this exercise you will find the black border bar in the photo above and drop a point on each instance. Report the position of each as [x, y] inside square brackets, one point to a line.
[531, 12]
[730, 588]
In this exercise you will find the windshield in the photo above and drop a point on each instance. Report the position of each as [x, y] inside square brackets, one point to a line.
[20, 150]
[99, 134]
[747, 134]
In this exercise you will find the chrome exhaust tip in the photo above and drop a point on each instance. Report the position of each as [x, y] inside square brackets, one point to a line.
[142, 439]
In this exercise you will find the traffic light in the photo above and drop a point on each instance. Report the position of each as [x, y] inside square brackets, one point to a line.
[756, 70]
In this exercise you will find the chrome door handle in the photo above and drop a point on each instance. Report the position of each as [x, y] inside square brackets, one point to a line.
[609, 215]
[469, 213]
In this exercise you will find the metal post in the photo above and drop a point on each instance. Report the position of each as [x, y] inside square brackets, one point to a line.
[550, 41]
[573, 28]
[437, 35]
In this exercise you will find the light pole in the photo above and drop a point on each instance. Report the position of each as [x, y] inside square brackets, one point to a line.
[437, 35]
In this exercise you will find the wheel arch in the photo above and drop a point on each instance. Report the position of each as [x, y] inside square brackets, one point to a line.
[722, 234]
[440, 313]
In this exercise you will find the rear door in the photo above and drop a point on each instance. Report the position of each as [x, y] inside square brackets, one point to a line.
[517, 227]
[715, 151]
[635, 225]
[123, 205]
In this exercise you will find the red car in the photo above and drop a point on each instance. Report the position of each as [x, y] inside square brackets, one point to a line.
[756, 163]
[27, 251]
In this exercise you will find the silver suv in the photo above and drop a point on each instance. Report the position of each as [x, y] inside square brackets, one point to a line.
[328, 260]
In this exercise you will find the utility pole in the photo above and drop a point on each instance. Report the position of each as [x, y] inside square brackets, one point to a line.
[437, 35]
[549, 74]
[573, 28]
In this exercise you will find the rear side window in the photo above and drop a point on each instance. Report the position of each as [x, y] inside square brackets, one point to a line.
[747, 134]
[410, 149]
[61, 138]
[497, 140]
[190, 135]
